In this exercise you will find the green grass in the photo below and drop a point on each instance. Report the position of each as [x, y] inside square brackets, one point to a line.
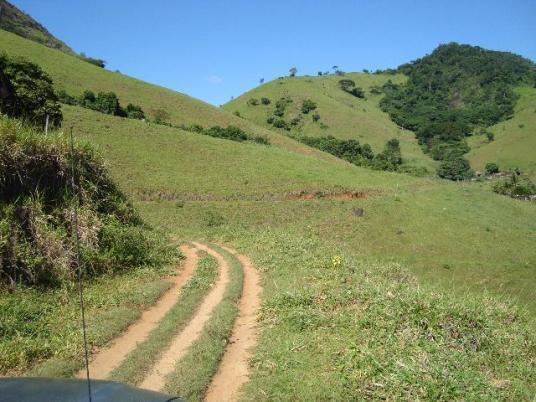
[135, 366]
[194, 371]
[74, 76]
[40, 330]
[515, 139]
[346, 116]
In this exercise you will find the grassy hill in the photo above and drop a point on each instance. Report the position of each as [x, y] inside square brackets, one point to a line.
[515, 139]
[423, 292]
[341, 114]
[75, 75]
[20, 23]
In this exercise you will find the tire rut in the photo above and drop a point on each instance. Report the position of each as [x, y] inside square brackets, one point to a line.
[233, 371]
[109, 357]
[156, 378]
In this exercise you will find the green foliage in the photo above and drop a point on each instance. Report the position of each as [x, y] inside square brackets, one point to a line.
[230, 133]
[253, 102]
[307, 106]
[456, 168]
[316, 117]
[293, 71]
[516, 186]
[96, 62]
[490, 136]
[391, 154]
[456, 88]
[348, 85]
[265, 101]
[64, 97]
[134, 112]
[448, 150]
[27, 92]
[492, 168]
[349, 150]
[36, 207]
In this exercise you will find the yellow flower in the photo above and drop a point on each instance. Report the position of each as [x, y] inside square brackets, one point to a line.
[336, 261]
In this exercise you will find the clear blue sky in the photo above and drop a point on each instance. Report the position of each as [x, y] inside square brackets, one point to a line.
[215, 49]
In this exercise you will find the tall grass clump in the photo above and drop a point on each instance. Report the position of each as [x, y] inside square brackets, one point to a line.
[37, 205]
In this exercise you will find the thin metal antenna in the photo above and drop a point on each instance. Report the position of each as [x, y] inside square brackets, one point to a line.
[79, 266]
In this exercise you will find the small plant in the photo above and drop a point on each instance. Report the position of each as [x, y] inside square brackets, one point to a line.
[307, 106]
[253, 102]
[265, 101]
[492, 168]
[490, 136]
[336, 262]
[316, 117]
[237, 113]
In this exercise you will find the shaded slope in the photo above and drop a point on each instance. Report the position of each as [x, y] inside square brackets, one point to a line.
[14, 20]
[345, 116]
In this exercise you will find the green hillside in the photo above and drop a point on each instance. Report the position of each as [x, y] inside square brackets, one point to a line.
[342, 115]
[20, 23]
[74, 76]
[375, 284]
[515, 139]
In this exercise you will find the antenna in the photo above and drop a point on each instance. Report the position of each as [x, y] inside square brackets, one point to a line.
[79, 266]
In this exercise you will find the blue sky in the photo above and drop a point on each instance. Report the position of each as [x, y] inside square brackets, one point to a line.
[215, 49]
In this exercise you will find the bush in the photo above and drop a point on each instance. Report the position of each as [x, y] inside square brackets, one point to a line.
[492, 168]
[307, 106]
[134, 112]
[347, 84]
[516, 186]
[65, 98]
[316, 117]
[490, 136]
[36, 208]
[27, 93]
[279, 123]
[253, 102]
[265, 101]
[457, 168]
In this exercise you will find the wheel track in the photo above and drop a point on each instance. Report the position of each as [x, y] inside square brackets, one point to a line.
[109, 357]
[233, 371]
[156, 378]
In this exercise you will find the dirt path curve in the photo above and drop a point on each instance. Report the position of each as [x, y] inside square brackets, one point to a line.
[111, 356]
[233, 371]
[155, 380]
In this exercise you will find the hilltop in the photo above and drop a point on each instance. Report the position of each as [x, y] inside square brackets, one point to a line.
[20, 23]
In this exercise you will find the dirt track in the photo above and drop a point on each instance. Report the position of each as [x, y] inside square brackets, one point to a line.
[108, 358]
[233, 370]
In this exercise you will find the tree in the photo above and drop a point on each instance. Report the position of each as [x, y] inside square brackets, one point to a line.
[293, 71]
[261, 81]
[457, 168]
[392, 152]
[108, 103]
[27, 92]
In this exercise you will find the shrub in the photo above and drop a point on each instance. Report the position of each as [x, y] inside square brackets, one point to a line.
[316, 117]
[253, 102]
[516, 186]
[36, 208]
[358, 92]
[107, 103]
[457, 168]
[490, 136]
[134, 112]
[27, 92]
[347, 84]
[492, 168]
[65, 98]
[265, 101]
[279, 123]
[261, 140]
[307, 106]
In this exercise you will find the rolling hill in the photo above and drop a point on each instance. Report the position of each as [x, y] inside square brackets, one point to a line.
[342, 115]
[420, 285]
